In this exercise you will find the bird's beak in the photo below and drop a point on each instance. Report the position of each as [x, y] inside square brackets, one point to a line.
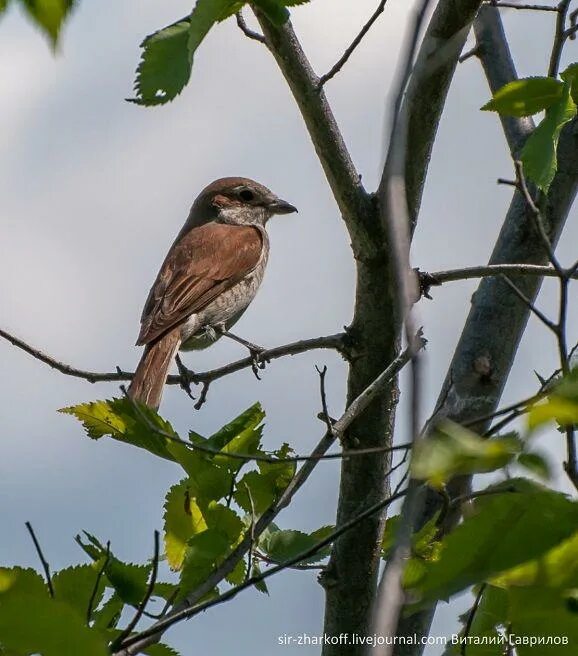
[278, 206]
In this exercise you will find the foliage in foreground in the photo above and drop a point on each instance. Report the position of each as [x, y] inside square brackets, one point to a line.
[516, 547]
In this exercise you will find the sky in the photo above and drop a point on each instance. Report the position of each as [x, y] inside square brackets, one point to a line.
[92, 192]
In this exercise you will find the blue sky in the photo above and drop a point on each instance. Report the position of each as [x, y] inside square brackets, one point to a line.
[92, 192]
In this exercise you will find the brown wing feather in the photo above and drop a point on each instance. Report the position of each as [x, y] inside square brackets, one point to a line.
[204, 263]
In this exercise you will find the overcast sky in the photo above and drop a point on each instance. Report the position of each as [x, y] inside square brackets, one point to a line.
[92, 193]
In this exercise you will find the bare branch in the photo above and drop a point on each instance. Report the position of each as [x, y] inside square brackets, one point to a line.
[251, 34]
[437, 278]
[45, 565]
[559, 38]
[515, 5]
[529, 304]
[347, 54]
[499, 68]
[336, 342]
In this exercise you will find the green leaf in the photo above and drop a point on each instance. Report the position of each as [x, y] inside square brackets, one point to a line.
[182, 519]
[275, 10]
[260, 585]
[537, 464]
[108, 615]
[129, 580]
[204, 552]
[160, 650]
[281, 546]
[490, 614]
[505, 530]
[525, 97]
[205, 14]
[250, 419]
[453, 450]
[48, 15]
[570, 75]
[237, 576]
[539, 153]
[22, 580]
[122, 420]
[75, 586]
[557, 568]
[540, 612]
[165, 65]
[36, 624]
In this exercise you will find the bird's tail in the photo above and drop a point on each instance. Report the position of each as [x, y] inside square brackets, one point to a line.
[152, 371]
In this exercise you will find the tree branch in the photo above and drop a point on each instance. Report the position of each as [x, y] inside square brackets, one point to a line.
[336, 342]
[494, 55]
[349, 51]
[340, 427]
[490, 334]
[428, 87]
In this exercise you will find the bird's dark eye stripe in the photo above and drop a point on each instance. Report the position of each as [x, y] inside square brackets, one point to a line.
[246, 194]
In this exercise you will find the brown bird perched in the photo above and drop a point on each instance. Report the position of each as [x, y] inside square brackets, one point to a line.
[210, 275]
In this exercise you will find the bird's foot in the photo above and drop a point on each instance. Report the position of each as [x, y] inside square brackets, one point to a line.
[257, 362]
[185, 376]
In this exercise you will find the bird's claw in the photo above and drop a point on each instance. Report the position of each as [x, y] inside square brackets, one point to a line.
[185, 377]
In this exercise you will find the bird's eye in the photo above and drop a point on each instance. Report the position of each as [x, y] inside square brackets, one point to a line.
[246, 194]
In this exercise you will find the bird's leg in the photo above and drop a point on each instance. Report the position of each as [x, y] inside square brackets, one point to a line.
[255, 351]
[185, 376]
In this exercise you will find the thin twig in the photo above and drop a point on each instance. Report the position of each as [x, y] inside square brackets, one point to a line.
[257, 457]
[358, 405]
[325, 410]
[347, 54]
[471, 616]
[187, 613]
[437, 278]
[515, 5]
[520, 294]
[559, 38]
[251, 34]
[335, 342]
[99, 576]
[43, 560]
[144, 601]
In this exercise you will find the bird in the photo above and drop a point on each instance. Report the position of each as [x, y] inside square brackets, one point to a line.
[209, 277]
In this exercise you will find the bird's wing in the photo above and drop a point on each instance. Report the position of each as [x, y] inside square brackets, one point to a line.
[202, 264]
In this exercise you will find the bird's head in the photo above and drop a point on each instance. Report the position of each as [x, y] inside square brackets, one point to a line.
[238, 201]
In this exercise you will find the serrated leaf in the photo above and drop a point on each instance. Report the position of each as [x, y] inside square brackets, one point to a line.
[36, 624]
[525, 97]
[570, 75]
[22, 580]
[76, 586]
[504, 531]
[247, 420]
[539, 153]
[285, 545]
[237, 576]
[128, 579]
[260, 585]
[48, 15]
[255, 491]
[160, 649]
[120, 419]
[453, 450]
[182, 519]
